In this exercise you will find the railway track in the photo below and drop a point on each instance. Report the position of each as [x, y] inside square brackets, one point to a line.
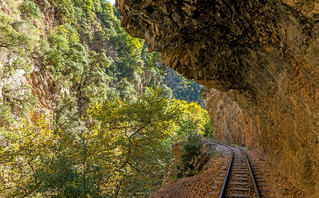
[238, 178]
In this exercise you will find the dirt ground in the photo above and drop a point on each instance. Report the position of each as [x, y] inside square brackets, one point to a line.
[201, 185]
[278, 185]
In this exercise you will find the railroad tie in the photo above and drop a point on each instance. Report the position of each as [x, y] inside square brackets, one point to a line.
[240, 195]
[240, 189]
[239, 180]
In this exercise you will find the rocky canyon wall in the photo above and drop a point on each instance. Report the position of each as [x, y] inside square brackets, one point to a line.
[231, 124]
[25, 86]
[262, 54]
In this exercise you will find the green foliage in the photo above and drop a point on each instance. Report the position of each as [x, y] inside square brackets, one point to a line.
[16, 47]
[208, 129]
[21, 101]
[193, 119]
[167, 92]
[66, 56]
[192, 123]
[136, 133]
[184, 89]
[29, 9]
[6, 117]
[20, 155]
[124, 154]
[67, 10]
[94, 81]
[121, 146]
[130, 51]
[190, 155]
[15, 43]
[12, 40]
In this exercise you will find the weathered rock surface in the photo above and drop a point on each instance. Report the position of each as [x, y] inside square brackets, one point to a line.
[264, 54]
[231, 124]
[42, 86]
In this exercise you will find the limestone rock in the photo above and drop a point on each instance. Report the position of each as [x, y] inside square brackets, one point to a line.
[262, 53]
[42, 86]
[231, 124]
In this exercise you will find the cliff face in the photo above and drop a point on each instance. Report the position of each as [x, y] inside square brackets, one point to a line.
[263, 55]
[231, 123]
[24, 89]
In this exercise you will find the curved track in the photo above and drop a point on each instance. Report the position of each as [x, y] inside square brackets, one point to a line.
[239, 179]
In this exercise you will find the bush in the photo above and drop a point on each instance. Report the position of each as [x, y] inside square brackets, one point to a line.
[190, 157]
[29, 9]
[5, 114]
[208, 129]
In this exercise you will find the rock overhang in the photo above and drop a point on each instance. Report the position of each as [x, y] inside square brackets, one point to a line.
[261, 53]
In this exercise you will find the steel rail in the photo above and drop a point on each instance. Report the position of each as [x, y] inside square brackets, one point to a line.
[251, 174]
[222, 192]
[229, 169]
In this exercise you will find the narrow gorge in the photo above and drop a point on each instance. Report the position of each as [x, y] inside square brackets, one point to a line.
[260, 59]
[85, 110]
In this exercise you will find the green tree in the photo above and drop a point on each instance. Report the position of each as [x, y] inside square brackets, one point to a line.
[29, 9]
[16, 47]
[119, 148]
[190, 156]
[14, 43]
[21, 151]
[134, 134]
[193, 119]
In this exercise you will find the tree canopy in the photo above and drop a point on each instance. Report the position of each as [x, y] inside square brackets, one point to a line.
[112, 118]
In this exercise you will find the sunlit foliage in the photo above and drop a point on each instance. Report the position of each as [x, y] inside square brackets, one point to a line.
[136, 139]
[194, 119]
[15, 48]
[124, 153]
[113, 117]
[22, 150]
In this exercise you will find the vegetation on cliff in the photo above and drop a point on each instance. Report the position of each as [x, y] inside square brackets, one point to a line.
[85, 111]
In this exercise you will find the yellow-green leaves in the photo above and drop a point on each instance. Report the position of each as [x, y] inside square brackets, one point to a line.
[134, 135]
[20, 155]
[193, 118]
[125, 151]
[120, 147]
[29, 9]
[137, 137]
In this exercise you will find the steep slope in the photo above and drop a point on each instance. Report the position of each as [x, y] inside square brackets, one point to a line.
[231, 123]
[263, 54]
[60, 51]
[85, 110]
[184, 89]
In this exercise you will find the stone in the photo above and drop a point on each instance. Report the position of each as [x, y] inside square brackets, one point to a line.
[262, 57]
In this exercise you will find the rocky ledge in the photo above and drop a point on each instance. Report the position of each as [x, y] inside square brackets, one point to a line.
[264, 56]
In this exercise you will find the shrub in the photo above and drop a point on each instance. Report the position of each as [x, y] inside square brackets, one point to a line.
[29, 9]
[191, 153]
[5, 114]
[208, 129]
